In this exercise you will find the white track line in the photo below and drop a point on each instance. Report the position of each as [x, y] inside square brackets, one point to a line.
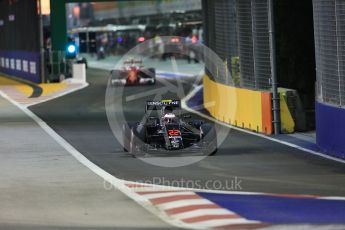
[201, 212]
[117, 183]
[166, 194]
[183, 203]
[82, 86]
[186, 107]
[167, 188]
[223, 222]
[331, 198]
[177, 74]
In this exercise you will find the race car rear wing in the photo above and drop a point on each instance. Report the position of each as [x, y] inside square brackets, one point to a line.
[157, 105]
[132, 61]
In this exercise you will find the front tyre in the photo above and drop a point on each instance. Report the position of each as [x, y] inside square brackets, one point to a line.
[209, 139]
[137, 140]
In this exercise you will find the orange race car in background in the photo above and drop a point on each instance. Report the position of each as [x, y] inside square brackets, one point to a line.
[133, 73]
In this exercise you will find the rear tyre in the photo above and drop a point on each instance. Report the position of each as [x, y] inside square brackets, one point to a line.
[153, 75]
[114, 75]
[149, 73]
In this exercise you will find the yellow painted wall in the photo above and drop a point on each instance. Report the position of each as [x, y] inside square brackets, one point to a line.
[287, 122]
[238, 107]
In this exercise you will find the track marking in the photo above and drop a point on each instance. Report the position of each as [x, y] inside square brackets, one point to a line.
[209, 211]
[179, 210]
[117, 183]
[165, 194]
[221, 222]
[186, 107]
[209, 217]
[21, 92]
[57, 95]
[52, 88]
[169, 199]
[183, 203]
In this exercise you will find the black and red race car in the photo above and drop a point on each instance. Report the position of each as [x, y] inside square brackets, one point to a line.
[165, 130]
[133, 73]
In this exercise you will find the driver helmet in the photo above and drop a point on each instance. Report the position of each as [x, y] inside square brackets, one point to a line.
[169, 118]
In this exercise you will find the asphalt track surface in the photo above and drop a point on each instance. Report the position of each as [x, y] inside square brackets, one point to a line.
[259, 164]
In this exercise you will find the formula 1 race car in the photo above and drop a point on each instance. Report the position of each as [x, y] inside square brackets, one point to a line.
[133, 73]
[165, 130]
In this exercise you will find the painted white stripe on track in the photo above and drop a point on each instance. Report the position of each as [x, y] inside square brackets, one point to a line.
[117, 183]
[166, 194]
[201, 212]
[57, 95]
[331, 198]
[222, 222]
[183, 203]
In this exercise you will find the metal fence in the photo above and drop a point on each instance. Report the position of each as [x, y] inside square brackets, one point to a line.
[221, 36]
[245, 40]
[57, 67]
[225, 29]
[237, 30]
[261, 40]
[329, 30]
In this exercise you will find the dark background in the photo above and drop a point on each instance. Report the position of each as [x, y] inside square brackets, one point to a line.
[22, 33]
[296, 51]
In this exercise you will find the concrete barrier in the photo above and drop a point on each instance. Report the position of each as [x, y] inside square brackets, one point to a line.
[287, 122]
[243, 108]
[79, 72]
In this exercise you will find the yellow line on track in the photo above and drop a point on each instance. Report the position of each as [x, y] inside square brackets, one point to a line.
[27, 90]
[52, 88]
[21, 87]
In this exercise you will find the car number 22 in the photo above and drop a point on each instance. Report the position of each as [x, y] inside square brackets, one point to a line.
[174, 132]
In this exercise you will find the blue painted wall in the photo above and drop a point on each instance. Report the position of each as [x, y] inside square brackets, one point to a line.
[330, 129]
[22, 64]
[20, 39]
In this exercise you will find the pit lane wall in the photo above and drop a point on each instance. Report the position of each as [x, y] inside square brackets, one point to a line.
[330, 129]
[22, 64]
[20, 40]
[244, 108]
